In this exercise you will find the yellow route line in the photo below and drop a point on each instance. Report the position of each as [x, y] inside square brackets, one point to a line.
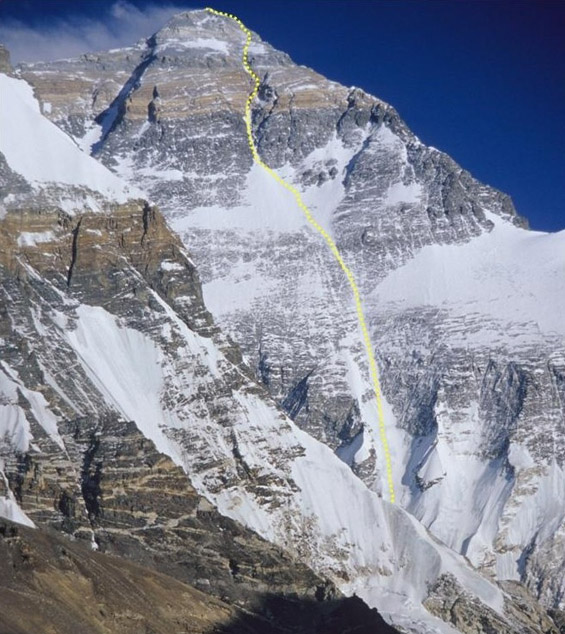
[360, 315]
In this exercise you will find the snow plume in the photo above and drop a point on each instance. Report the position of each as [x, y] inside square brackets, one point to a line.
[122, 24]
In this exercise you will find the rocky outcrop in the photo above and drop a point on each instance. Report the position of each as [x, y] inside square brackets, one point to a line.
[5, 64]
[49, 583]
[448, 601]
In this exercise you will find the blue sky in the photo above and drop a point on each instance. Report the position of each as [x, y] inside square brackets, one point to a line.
[483, 80]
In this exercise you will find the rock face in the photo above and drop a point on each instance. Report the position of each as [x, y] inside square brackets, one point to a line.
[5, 65]
[463, 303]
[95, 475]
[49, 584]
[72, 461]
[103, 324]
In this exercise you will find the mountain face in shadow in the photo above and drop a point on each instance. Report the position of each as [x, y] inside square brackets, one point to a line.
[281, 615]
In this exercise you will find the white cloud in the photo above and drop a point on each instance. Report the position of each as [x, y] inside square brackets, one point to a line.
[123, 25]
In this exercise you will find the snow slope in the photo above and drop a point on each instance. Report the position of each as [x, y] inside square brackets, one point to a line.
[509, 274]
[15, 431]
[44, 155]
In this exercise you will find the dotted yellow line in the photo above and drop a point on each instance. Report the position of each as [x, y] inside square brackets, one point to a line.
[360, 315]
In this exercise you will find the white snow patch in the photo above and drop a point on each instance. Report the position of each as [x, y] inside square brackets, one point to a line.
[13, 421]
[10, 510]
[31, 239]
[130, 369]
[257, 48]
[39, 151]
[400, 193]
[322, 200]
[14, 427]
[210, 44]
[109, 353]
[171, 266]
[267, 206]
[160, 174]
[92, 135]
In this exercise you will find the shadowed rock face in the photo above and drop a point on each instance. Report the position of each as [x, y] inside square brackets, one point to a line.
[50, 584]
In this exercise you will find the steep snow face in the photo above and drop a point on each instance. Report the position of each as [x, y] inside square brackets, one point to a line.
[45, 156]
[310, 502]
[492, 449]
[15, 432]
[10, 509]
[14, 424]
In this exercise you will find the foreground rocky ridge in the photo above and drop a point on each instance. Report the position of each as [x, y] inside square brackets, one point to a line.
[49, 584]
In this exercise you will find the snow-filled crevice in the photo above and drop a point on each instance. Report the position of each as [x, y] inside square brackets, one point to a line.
[110, 118]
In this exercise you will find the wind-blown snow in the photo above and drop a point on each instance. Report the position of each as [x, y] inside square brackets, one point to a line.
[39, 151]
[207, 43]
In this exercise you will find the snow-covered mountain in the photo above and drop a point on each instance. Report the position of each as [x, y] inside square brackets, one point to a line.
[105, 320]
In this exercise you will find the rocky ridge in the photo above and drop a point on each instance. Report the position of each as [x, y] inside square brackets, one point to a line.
[71, 588]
